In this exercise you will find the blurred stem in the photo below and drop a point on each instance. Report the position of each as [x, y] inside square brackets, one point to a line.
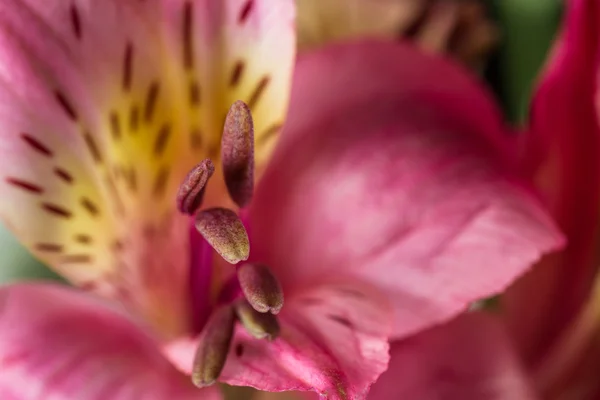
[528, 28]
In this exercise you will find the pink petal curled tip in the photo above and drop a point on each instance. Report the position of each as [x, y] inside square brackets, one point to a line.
[213, 347]
[191, 191]
[237, 153]
[261, 288]
[224, 231]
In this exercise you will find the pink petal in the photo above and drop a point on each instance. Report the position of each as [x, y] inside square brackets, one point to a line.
[562, 153]
[469, 358]
[104, 107]
[392, 171]
[56, 343]
[244, 50]
[333, 341]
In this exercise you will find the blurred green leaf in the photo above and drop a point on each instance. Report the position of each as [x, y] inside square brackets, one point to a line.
[528, 28]
[17, 263]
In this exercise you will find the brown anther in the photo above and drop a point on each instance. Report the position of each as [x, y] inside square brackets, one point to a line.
[224, 231]
[261, 288]
[237, 153]
[213, 348]
[259, 325]
[191, 191]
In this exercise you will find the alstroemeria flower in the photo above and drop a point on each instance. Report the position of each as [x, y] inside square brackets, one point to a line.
[396, 133]
[390, 205]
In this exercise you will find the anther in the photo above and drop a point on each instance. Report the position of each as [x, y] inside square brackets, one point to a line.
[261, 288]
[213, 348]
[259, 325]
[191, 191]
[237, 153]
[224, 231]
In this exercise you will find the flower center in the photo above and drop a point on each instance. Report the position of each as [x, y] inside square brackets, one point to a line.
[254, 296]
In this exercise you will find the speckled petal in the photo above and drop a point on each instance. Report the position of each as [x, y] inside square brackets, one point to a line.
[104, 107]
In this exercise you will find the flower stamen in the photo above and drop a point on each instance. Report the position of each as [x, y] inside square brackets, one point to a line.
[261, 288]
[237, 153]
[191, 191]
[259, 325]
[225, 232]
[213, 348]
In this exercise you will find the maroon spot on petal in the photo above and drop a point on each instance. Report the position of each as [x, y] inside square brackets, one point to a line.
[28, 186]
[188, 44]
[57, 210]
[418, 23]
[92, 147]
[151, 98]
[268, 134]
[162, 139]
[258, 91]
[82, 238]
[63, 175]
[118, 245]
[134, 118]
[160, 182]
[49, 247]
[90, 206]
[239, 350]
[149, 231]
[194, 94]
[128, 67]
[340, 320]
[115, 125]
[312, 301]
[132, 179]
[213, 152]
[88, 286]
[117, 171]
[65, 105]
[196, 138]
[245, 11]
[76, 259]
[236, 74]
[114, 193]
[75, 21]
[36, 145]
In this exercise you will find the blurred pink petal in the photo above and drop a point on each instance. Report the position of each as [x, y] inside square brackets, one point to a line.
[104, 106]
[56, 343]
[394, 171]
[562, 154]
[333, 341]
[470, 358]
